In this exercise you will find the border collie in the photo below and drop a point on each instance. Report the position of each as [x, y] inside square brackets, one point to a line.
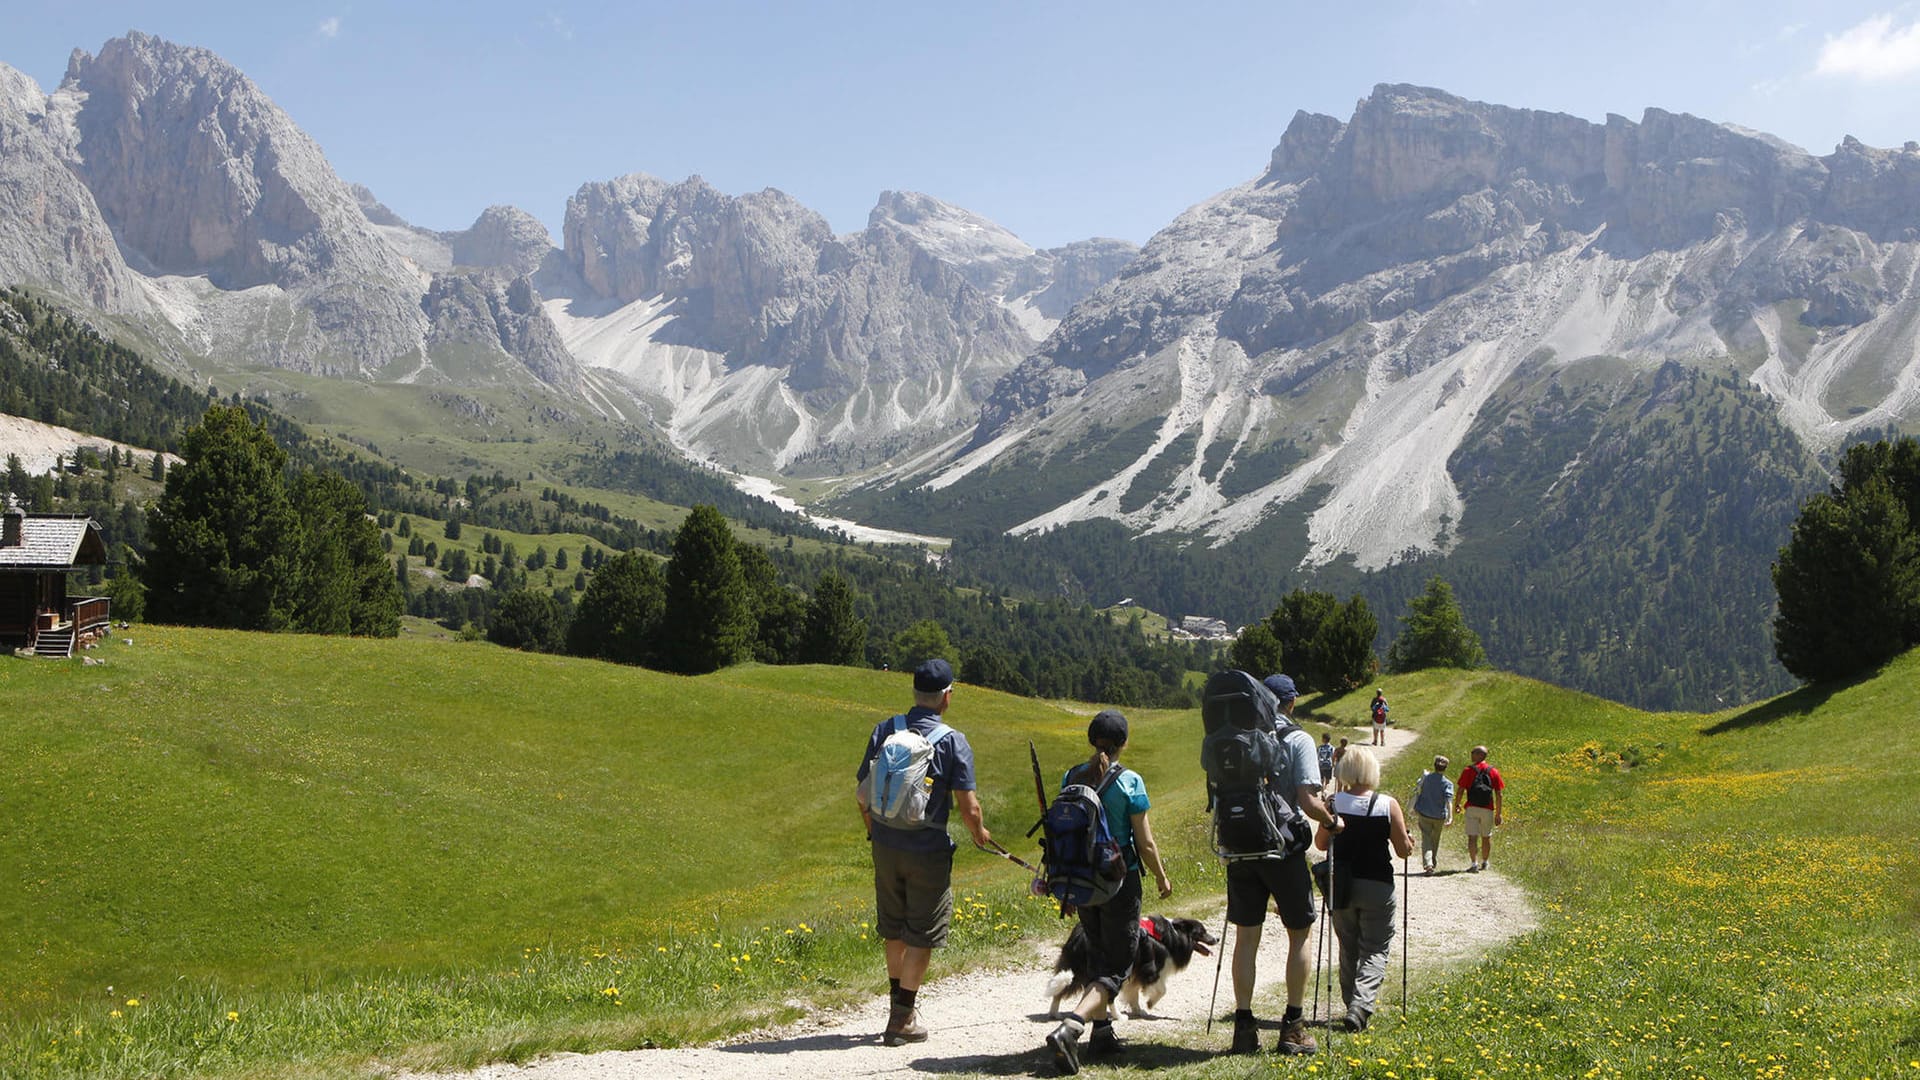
[1163, 946]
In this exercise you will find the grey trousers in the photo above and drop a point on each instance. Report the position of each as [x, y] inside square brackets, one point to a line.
[1430, 828]
[1365, 931]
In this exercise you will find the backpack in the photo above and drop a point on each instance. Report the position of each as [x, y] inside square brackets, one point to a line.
[1251, 819]
[899, 781]
[1480, 792]
[1380, 712]
[1082, 863]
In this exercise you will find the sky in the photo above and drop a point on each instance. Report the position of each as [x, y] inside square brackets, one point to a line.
[1060, 121]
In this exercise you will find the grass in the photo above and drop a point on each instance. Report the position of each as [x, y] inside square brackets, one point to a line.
[304, 856]
[440, 852]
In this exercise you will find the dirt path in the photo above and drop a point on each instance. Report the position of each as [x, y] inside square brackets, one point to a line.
[992, 1023]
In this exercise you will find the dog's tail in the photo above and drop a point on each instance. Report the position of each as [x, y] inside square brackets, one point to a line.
[1061, 982]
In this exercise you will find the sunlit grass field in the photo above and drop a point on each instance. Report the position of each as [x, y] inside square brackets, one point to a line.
[251, 855]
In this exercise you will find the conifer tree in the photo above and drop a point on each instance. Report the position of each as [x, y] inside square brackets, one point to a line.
[832, 632]
[708, 606]
[1295, 623]
[1436, 634]
[619, 615]
[1342, 648]
[1257, 652]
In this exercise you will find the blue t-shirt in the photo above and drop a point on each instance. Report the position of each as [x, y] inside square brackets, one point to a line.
[952, 770]
[1122, 799]
[1434, 798]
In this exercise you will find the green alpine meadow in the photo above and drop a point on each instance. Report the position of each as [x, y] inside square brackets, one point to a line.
[242, 854]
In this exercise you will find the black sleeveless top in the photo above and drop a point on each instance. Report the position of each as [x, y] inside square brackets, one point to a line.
[1361, 848]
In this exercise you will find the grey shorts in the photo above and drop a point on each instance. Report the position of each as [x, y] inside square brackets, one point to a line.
[913, 895]
[1252, 882]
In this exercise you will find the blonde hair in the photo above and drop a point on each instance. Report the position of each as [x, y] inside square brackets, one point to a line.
[1358, 768]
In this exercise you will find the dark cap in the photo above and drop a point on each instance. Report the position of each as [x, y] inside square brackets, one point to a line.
[1282, 687]
[933, 676]
[1108, 727]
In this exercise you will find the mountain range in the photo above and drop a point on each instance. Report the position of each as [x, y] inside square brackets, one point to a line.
[1538, 354]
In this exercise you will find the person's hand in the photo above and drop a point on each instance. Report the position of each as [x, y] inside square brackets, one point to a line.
[1496, 817]
[1166, 887]
[983, 837]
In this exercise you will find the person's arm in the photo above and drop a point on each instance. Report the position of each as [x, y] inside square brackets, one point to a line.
[866, 817]
[1402, 841]
[1150, 854]
[1322, 838]
[1314, 805]
[971, 816]
[1499, 800]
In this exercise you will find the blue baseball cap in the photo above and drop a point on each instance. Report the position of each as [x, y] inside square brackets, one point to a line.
[1282, 687]
[933, 676]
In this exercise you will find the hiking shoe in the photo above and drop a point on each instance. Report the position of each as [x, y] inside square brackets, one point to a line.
[1104, 1043]
[903, 1027]
[1473, 868]
[1246, 1035]
[1294, 1039]
[1065, 1044]
[1352, 1022]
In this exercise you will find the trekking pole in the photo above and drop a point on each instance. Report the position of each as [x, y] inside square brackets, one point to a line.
[1218, 961]
[997, 849]
[1406, 928]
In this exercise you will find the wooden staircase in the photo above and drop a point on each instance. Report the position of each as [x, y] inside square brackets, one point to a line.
[54, 643]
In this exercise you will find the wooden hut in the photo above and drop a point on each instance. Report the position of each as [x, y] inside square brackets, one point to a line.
[37, 552]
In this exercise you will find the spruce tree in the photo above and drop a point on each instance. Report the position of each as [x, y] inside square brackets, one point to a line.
[1848, 582]
[1257, 652]
[833, 633]
[1295, 623]
[619, 615]
[709, 611]
[528, 619]
[1342, 648]
[1436, 634]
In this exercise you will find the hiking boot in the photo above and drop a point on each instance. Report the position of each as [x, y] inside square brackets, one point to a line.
[1353, 1021]
[1473, 868]
[903, 1027]
[1294, 1039]
[1246, 1035]
[1104, 1043]
[1065, 1044]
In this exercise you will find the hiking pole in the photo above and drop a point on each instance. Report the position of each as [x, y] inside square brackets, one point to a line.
[1214, 1001]
[993, 847]
[1406, 928]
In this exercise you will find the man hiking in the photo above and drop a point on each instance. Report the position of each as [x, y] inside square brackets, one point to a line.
[1292, 768]
[1377, 712]
[915, 769]
[1482, 794]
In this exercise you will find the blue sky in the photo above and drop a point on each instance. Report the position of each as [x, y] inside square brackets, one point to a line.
[1059, 120]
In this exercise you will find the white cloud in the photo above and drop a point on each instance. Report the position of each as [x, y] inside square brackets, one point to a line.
[329, 27]
[1875, 49]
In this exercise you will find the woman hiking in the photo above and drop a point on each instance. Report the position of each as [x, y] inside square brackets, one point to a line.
[1111, 926]
[1362, 906]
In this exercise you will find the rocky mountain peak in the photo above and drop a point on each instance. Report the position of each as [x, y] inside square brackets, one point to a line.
[504, 236]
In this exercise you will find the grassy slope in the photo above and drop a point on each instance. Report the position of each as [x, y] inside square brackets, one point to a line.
[357, 848]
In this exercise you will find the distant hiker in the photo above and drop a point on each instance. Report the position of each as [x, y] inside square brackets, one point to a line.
[1112, 925]
[914, 770]
[1287, 764]
[1326, 759]
[1433, 808]
[1378, 712]
[1482, 793]
[1338, 753]
[1362, 906]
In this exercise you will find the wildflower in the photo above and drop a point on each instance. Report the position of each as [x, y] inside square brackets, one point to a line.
[115, 1014]
[133, 1003]
[232, 1015]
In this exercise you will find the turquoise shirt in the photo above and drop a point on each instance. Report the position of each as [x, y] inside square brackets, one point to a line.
[1122, 799]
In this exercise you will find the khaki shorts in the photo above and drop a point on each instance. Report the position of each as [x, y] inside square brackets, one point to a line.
[1479, 820]
[913, 895]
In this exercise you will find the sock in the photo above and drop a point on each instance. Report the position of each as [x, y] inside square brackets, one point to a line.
[1292, 1014]
[893, 985]
[1074, 1023]
[903, 998]
[1098, 1024]
[1243, 1016]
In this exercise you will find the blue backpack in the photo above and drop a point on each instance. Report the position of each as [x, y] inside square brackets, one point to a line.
[1082, 863]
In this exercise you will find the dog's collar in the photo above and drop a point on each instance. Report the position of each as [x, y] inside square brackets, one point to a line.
[1148, 928]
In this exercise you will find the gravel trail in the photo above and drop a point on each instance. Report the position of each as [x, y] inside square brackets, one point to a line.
[992, 1022]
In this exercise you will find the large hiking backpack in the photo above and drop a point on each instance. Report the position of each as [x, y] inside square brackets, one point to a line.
[1083, 864]
[1251, 818]
[899, 781]
[1480, 791]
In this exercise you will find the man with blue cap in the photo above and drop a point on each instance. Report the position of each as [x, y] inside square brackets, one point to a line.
[1293, 770]
[915, 769]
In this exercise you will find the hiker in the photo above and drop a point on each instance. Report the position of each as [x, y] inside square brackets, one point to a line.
[1378, 712]
[922, 768]
[1482, 794]
[1326, 759]
[1338, 753]
[1292, 769]
[1112, 926]
[1433, 809]
[1362, 904]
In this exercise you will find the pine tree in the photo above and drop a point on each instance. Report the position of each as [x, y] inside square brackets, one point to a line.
[619, 615]
[1295, 623]
[528, 619]
[708, 605]
[1436, 634]
[1257, 652]
[1848, 582]
[832, 632]
[225, 537]
[1343, 647]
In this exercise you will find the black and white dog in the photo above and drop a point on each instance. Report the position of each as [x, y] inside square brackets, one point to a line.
[1163, 946]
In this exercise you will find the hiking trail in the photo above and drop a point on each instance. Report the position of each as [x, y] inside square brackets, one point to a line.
[993, 1022]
